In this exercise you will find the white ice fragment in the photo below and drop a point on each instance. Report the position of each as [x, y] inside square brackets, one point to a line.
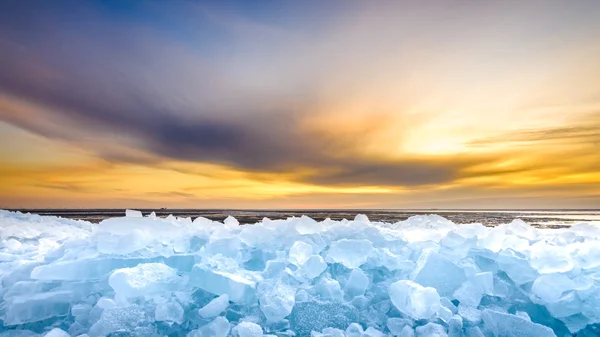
[470, 314]
[125, 244]
[407, 331]
[396, 325]
[519, 228]
[219, 327]
[550, 287]
[425, 228]
[414, 300]
[328, 289]
[549, 259]
[36, 307]
[105, 303]
[515, 243]
[523, 314]
[361, 218]
[300, 252]
[575, 323]
[116, 319]
[56, 332]
[214, 307]
[80, 310]
[226, 246]
[516, 267]
[130, 213]
[485, 282]
[231, 221]
[350, 252]
[276, 299]
[431, 330]
[170, 312]
[256, 235]
[357, 283]
[249, 329]
[315, 315]
[354, 330]
[372, 332]
[392, 261]
[588, 254]
[445, 314]
[583, 282]
[145, 279]
[502, 324]
[238, 287]
[433, 270]
[469, 267]
[493, 239]
[469, 294]
[568, 305]
[445, 302]
[274, 268]
[12, 244]
[455, 327]
[6, 257]
[334, 332]
[306, 225]
[329, 332]
[473, 331]
[314, 266]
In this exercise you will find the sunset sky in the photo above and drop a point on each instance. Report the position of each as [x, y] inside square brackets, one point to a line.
[300, 104]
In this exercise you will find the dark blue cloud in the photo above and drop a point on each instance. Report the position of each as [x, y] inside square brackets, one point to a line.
[129, 69]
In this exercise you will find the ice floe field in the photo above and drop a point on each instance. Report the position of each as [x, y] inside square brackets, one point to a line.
[174, 276]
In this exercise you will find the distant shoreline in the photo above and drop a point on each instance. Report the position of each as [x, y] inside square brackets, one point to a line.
[319, 209]
[552, 218]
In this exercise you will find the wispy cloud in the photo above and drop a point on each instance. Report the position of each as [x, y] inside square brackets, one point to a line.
[583, 130]
[389, 97]
[177, 106]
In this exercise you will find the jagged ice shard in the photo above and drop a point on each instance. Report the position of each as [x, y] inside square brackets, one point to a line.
[426, 276]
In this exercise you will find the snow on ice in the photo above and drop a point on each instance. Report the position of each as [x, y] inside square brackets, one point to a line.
[426, 276]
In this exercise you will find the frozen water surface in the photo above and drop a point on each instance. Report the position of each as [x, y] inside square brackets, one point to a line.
[177, 276]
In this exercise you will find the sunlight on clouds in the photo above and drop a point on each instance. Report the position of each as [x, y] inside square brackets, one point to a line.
[102, 180]
[383, 105]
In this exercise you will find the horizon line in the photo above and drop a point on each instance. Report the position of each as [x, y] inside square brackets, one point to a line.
[302, 209]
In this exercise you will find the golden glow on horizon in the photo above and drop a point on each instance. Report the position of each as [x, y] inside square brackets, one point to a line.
[60, 174]
[95, 182]
[106, 181]
[491, 103]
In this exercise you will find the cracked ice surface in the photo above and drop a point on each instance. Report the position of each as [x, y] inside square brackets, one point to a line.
[426, 276]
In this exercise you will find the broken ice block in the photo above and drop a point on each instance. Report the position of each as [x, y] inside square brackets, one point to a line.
[506, 325]
[414, 300]
[300, 252]
[351, 253]
[249, 329]
[236, 286]
[433, 270]
[214, 307]
[357, 283]
[144, 279]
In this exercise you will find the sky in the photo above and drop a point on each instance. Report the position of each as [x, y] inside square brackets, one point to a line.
[300, 104]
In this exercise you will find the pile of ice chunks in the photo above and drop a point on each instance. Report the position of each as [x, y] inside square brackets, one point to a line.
[150, 276]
